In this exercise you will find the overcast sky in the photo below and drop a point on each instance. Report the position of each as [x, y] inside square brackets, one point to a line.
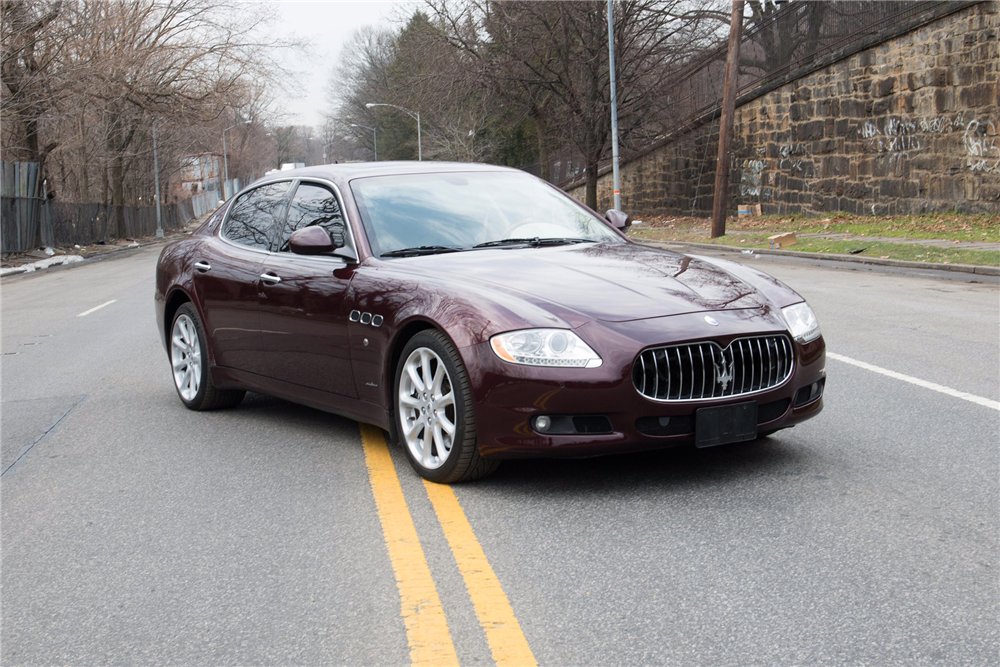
[327, 25]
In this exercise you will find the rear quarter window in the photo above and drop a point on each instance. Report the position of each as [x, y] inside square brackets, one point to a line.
[254, 216]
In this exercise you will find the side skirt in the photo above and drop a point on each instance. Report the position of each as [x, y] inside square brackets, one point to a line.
[352, 408]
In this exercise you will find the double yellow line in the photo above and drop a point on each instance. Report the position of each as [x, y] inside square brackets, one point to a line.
[426, 626]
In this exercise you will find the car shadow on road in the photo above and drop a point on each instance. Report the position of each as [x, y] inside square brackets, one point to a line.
[676, 467]
[779, 455]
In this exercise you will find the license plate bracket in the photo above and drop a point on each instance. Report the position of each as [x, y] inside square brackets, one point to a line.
[725, 424]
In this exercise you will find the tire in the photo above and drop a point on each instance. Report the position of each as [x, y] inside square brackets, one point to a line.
[188, 354]
[422, 419]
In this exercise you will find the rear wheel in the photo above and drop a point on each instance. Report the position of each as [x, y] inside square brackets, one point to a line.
[434, 415]
[188, 363]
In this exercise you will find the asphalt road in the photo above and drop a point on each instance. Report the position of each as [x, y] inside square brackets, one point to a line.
[135, 531]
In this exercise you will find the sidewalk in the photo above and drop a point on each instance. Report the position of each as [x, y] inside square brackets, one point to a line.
[680, 246]
[934, 243]
[949, 241]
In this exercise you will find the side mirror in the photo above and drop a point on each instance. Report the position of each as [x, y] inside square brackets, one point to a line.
[620, 221]
[311, 241]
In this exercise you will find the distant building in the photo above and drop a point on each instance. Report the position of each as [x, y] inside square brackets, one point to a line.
[199, 173]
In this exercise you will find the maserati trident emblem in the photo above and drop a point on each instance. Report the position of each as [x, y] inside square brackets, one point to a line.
[724, 372]
[711, 320]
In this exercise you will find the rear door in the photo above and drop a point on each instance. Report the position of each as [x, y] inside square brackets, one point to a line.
[303, 300]
[227, 276]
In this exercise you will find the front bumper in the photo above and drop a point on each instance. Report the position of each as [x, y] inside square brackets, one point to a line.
[507, 396]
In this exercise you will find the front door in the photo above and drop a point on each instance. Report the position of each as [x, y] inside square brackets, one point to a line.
[303, 302]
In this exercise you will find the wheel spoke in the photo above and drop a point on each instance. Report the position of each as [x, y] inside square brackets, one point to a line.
[409, 401]
[411, 370]
[428, 454]
[412, 429]
[445, 401]
[179, 363]
[425, 367]
[439, 441]
[446, 425]
[439, 376]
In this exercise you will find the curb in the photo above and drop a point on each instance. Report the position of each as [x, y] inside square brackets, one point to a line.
[901, 263]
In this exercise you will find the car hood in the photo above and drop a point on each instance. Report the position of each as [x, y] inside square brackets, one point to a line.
[614, 282]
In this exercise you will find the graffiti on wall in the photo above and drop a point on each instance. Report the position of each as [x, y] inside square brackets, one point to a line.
[982, 147]
[750, 177]
[898, 136]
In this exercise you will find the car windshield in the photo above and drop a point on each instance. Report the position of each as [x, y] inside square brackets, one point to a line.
[458, 211]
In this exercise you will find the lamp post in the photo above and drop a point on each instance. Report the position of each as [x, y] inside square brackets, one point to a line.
[156, 178]
[374, 137]
[411, 114]
[614, 110]
[225, 155]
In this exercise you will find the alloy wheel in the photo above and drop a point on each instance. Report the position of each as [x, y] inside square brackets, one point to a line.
[427, 408]
[185, 357]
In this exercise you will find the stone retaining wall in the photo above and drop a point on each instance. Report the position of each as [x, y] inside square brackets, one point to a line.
[908, 126]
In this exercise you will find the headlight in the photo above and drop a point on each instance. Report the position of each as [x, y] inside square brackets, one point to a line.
[544, 347]
[802, 322]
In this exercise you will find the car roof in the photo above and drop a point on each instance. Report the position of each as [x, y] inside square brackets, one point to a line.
[351, 170]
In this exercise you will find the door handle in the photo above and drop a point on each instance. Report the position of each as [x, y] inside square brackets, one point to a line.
[270, 278]
[203, 266]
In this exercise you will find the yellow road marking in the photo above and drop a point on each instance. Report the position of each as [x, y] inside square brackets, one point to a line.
[503, 632]
[426, 627]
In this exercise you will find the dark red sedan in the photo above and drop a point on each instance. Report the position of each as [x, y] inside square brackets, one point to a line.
[477, 313]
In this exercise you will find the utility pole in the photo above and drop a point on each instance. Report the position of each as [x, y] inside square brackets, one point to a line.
[726, 123]
[614, 109]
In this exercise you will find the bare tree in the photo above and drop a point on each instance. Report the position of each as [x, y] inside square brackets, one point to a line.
[31, 49]
[554, 56]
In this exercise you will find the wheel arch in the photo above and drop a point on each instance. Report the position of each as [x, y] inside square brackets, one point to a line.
[177, 297]
[403, 336]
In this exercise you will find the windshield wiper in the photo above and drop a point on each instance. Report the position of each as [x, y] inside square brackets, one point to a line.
[533, 242]
[423, 250]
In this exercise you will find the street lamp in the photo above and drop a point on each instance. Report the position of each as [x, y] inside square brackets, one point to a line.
[411, 114]
[156, 177]
[225, 155]
[374, 137]
[614, 111]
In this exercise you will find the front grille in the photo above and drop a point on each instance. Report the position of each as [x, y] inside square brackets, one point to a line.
[696, 371]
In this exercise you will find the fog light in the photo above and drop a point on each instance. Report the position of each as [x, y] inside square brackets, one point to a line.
[542, 423]
[809, 393]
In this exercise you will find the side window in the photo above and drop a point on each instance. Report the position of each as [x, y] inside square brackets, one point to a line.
[314, 205]
[254, 215]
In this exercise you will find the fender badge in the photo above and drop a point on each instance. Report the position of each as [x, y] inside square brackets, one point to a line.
[711, 320]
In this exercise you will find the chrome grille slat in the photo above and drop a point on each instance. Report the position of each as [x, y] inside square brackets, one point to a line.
[656, 375]
[692, 371]
[760, 361]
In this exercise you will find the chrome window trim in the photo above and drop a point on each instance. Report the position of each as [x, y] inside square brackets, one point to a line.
[312, 180]
[225, 221]
[731, 397]
[294, 186]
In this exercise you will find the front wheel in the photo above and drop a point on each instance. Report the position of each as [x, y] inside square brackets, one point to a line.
[188, 363]
[434, 414]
